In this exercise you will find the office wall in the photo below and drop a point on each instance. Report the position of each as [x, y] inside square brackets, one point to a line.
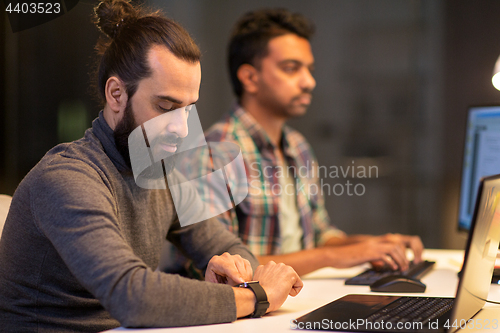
[394, 79]
[46, 76]
[472, 44]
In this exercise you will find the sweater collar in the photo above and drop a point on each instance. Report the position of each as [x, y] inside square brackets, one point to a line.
[104, 133]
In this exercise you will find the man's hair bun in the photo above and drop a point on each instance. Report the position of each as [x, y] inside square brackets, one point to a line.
[132, 32]
[111, 15]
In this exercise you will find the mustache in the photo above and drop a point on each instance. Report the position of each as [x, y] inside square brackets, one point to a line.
[169, 139]
[305, 92]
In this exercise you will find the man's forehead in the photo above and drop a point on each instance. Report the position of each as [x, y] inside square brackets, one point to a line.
[171, 76]
[290, 47]
[163, 62]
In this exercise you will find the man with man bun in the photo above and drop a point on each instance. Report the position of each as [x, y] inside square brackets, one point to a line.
[82, 240]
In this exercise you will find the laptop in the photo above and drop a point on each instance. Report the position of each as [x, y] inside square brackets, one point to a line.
[379, 313]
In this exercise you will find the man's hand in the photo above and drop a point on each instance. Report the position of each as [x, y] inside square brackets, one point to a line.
[412, 242]
[389, 250]
[279, 281]
[370, 250]
[228, 269]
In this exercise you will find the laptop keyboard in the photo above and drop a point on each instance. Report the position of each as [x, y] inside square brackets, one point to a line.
[413, 309]
[366, 278]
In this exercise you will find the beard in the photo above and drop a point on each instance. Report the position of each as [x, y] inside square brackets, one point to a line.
[295, 108]
[288, 109]
[121, 134]
[168, 159]
[122, 131]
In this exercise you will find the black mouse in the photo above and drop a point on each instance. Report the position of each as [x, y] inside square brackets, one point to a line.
[398, 284]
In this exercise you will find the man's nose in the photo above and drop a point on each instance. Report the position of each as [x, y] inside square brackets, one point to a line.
[307, 82]
[178, 122]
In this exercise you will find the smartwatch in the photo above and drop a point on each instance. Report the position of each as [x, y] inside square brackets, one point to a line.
[261, 303]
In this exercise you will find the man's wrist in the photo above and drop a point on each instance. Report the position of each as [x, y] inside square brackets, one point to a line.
[329, 254]
[261, 301]
[245, 302]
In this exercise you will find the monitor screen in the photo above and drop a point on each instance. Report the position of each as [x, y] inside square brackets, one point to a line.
[481, 157]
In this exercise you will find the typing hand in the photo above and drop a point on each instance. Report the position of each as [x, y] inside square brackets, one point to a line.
[412, 242]
[279, 281]
[228, 269]
[373, 249]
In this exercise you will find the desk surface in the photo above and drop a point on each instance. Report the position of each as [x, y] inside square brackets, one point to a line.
[327, 284]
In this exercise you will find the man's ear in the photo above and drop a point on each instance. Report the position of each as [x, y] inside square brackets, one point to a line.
[248, 76]
[116, 95]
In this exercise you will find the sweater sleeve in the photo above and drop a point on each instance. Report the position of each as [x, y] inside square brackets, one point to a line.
[201, 241]
[74, 208]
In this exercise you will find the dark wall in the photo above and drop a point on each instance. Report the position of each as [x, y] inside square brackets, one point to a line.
[472, 44]
[472, 48]
[2, 106]
[44, 68]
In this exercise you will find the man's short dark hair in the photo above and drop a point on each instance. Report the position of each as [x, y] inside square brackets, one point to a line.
[252, 33]
[130, 33]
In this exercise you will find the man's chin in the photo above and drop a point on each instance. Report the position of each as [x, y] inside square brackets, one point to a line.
[297, 110]
[158, 170]
[160, 154]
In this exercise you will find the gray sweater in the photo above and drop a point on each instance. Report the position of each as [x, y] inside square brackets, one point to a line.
[82, 241]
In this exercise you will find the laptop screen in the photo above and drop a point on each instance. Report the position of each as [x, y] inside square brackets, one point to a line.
[481, 157]
[482, 246]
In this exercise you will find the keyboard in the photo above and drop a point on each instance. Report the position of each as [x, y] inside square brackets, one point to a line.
[366, 278]
[412, 309]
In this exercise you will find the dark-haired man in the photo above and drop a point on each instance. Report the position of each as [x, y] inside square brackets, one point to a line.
[82, 240]
[271, 65]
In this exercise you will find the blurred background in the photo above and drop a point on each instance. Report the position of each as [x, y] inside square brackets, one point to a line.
[394, 81]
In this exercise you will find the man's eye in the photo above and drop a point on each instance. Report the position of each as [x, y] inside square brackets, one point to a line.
[166, 110]
[290, 69]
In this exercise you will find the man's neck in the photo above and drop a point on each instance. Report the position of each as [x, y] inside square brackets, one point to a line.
[272, 125]
[109, 117]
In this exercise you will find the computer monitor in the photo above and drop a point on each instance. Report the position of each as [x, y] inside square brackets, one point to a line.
[481, 157]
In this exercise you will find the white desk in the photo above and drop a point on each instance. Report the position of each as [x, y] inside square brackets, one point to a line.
[326, 285]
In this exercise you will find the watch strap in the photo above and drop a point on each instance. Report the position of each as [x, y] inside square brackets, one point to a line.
[261, 303]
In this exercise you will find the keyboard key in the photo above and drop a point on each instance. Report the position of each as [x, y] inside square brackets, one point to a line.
[366, 278]
[412, 309]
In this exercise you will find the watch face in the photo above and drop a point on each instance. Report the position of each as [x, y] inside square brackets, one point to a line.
[247, 284]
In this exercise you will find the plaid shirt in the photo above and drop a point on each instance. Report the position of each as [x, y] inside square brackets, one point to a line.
[256, 219]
